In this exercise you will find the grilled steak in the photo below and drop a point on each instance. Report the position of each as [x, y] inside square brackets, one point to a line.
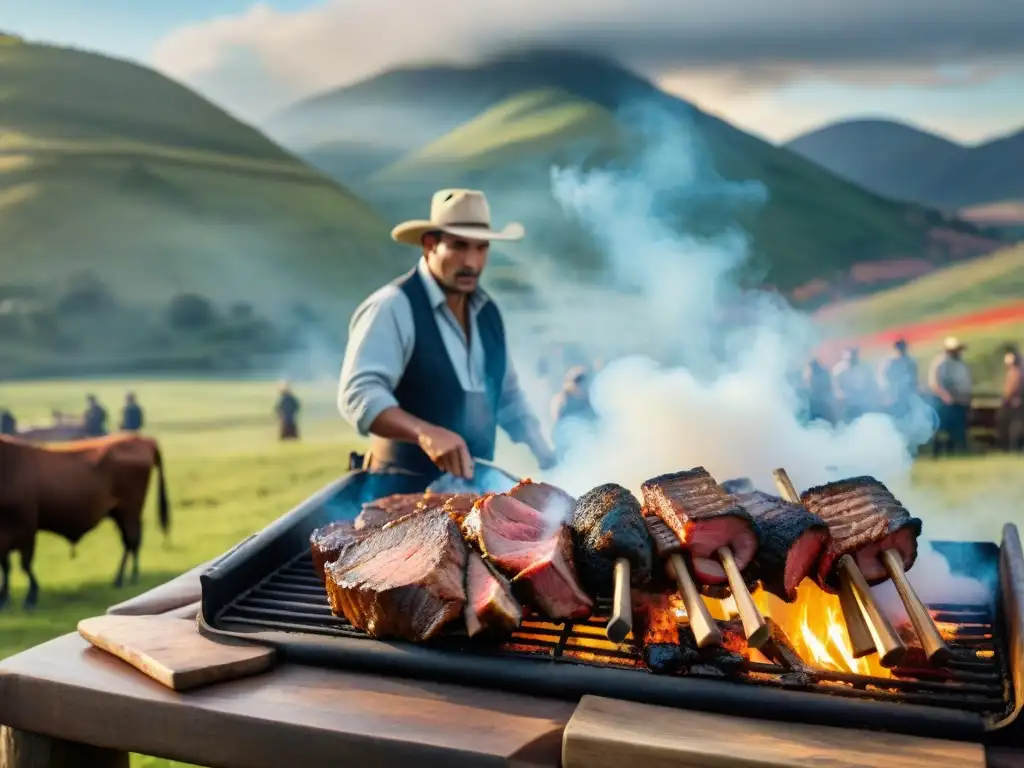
[491, 605]
[549, 499]
[657, 633]
[790, 541]
[405, 580]
[328, 543]
[607, 524]
[459, 505]
[523, 544]
[667, 543]
[377, 513]
[864, 520]
[704, 518]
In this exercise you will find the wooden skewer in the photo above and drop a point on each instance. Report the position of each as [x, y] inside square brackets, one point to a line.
[861, 641]
[935, 648]
[754, 626]
[621, 622]
[705, 630]
[890, 648]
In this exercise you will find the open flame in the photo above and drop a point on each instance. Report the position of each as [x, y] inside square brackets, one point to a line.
[817, 631]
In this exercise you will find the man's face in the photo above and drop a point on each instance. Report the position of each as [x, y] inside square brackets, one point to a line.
[955, 353]
[456, 262]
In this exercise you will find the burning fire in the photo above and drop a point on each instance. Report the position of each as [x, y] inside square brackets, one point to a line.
[817, 631]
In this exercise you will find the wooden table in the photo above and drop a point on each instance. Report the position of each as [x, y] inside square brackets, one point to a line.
[66, 704]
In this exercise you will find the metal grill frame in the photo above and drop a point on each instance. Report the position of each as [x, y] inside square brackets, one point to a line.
[273, 566]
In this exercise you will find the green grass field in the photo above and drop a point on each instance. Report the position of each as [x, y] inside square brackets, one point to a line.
[229, 476]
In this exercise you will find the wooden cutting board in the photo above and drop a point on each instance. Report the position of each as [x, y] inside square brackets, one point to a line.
[609, 733]
[172, 652]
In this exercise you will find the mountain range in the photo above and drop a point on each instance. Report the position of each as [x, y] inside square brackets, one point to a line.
[109, 170]
[502, 124]
[903, 162]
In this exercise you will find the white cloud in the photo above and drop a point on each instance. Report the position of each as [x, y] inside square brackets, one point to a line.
[262, 58]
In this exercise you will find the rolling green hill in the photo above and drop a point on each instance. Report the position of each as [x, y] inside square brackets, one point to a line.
[500, 125]
[121, 190]
[111, 168]
[979, 284]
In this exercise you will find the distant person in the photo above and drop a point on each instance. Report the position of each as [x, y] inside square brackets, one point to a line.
[899, 379]
[1011, 409]
[287, 409]
[570, 405]
[821, 401]
[94, 421]
[8, 424]
[949, 380]
[855, 386]
[131, 415]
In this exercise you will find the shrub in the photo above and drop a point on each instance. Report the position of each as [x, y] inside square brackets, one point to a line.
[191, 312]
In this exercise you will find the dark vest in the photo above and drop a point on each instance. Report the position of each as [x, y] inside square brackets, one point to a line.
[430, 388]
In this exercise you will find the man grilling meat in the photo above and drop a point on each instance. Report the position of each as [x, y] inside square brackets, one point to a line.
[427, 372]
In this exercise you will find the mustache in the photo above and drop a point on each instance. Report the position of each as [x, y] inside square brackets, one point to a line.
[467, 273]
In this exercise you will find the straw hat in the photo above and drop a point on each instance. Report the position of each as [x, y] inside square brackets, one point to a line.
[952, 344]
[459, 212]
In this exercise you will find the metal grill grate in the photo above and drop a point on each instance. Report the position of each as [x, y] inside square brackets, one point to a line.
[292, 599]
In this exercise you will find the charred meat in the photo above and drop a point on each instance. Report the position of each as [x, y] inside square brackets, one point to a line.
[704, 518]
[536, 553]
[864, 520]
[657, 633]
[405, 580]
[555, 503]
[790, 541]
[378, 513]
[607, 523]
[490, 606]
[327, 544]
[459, 505]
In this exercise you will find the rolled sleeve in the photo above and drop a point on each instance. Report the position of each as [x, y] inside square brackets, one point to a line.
[515, 415]
[379, 343]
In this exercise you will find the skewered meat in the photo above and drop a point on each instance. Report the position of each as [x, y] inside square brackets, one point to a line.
[667, 543]
[657, 632]
[864, 520]
[537, 555]
[405, 580]
[790, 542]
[376, 514]
[704, 518]
[607, 523]
[328, 543]
[555, 503]
[491, 605]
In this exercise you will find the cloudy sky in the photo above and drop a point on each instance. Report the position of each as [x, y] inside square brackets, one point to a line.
[774, 67]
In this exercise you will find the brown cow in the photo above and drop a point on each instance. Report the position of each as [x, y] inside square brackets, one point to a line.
[68, 489]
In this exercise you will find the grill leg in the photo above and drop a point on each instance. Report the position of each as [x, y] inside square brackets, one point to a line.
[22, 749]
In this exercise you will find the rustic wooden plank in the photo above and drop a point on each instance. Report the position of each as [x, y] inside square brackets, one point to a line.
[608, 733]
[23, 749]
[1004, 757]
[317, 717]
[172, 651]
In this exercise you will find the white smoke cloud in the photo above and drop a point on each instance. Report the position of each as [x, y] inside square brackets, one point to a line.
[732, 406]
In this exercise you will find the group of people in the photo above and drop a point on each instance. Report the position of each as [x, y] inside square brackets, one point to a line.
[853, 388]
[428, 375]
[93, 421]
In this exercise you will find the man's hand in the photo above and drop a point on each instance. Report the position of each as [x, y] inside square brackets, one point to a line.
[447, 450]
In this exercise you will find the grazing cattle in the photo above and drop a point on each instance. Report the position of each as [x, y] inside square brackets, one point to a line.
[68, 489]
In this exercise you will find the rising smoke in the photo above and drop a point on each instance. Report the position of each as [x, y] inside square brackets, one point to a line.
[729, 400]
[730, 404]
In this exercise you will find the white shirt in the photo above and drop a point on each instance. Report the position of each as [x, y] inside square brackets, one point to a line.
[381, 338]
